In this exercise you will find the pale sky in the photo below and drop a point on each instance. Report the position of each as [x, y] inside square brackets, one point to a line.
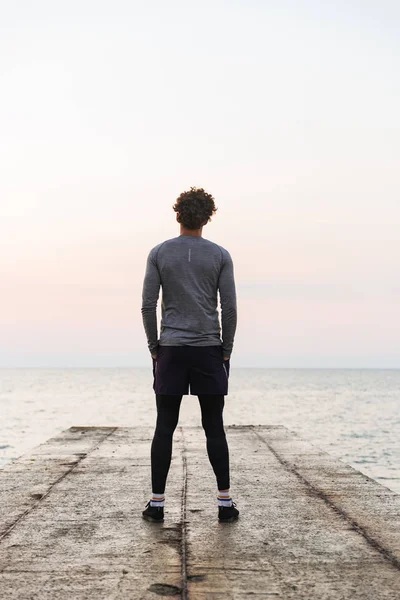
[287, 111]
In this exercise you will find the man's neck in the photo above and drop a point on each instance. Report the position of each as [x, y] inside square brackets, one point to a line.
[192, 232]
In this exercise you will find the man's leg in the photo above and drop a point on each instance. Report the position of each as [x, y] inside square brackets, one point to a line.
[212, 407]
[161, 448]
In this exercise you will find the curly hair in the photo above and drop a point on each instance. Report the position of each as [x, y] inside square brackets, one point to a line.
[195, 208]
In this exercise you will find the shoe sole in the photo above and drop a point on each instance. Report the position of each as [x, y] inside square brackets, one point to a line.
[229, 520]
[148, 518]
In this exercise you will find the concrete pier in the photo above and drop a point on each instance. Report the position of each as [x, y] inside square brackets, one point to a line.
[310, 526]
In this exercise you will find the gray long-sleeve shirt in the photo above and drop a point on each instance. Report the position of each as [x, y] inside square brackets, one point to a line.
[191, 271]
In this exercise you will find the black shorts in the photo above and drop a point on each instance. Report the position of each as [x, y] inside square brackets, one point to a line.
[201, 367]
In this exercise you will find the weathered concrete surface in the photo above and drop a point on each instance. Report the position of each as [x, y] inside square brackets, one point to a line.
[310, 527]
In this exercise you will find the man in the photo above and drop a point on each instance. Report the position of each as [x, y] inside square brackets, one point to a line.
[190, 352]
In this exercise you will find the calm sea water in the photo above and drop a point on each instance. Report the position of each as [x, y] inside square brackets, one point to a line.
[352, 414]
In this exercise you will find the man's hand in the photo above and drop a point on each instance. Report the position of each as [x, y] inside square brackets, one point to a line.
[154, 355]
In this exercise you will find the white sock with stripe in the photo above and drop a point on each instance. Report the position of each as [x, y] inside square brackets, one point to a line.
[157, 500]
[224, 498]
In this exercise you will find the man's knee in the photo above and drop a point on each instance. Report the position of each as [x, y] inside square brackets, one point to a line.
[213, 430]
[165, 429]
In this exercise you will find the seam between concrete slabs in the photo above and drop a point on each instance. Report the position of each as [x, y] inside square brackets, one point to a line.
[35, 504]
[183, 519]
[387, 554]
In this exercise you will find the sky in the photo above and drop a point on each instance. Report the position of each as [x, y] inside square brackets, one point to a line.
[286, 111]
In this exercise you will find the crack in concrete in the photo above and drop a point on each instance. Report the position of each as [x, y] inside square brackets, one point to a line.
[184, 595]
[88, 570]
[387, 554]
[120, 582]
[35, 504]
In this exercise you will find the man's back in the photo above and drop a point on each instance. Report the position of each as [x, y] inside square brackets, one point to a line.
[190, 270]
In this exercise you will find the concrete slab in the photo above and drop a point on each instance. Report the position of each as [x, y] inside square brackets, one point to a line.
[310, 526]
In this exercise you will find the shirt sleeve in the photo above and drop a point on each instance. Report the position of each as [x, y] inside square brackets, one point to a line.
[227, 292]
[150, 294]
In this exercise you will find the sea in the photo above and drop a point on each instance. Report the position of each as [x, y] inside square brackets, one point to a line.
[354, 414]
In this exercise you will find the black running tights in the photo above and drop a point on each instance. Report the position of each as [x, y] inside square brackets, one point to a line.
[212, 421]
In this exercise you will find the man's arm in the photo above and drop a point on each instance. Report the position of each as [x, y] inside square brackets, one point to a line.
[150, 293]
[227, 292]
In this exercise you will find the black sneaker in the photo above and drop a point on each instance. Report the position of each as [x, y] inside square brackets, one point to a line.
[153, 513]
[227, 514]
